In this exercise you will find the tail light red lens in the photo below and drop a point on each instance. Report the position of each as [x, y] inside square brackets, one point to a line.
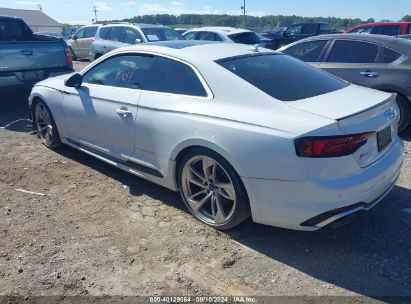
[330, 146]
[69, 60]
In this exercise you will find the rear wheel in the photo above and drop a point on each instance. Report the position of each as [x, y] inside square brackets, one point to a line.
[46, 126]
[212, 191]
[405, 112]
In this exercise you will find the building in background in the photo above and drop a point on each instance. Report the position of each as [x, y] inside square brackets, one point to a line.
[36, 19]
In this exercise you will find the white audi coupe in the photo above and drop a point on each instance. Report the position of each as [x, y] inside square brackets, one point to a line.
[239, 131]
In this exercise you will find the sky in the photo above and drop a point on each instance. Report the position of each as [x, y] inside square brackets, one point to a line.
[81, 11]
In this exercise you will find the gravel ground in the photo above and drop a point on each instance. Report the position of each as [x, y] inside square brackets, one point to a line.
[99, 231]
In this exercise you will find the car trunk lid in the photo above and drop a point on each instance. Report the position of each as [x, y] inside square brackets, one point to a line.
[359, 110]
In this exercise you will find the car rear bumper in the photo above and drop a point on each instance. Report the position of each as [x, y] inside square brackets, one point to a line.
[312, 204]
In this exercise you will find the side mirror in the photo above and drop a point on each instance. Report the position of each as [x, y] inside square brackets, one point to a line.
[138, 41]
[74, 81]
[74, 37]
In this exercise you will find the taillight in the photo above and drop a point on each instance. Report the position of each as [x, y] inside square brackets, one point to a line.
[330, 146]
[69, 60]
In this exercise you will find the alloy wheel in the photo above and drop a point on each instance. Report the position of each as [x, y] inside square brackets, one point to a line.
[208, 190]
[44, 124]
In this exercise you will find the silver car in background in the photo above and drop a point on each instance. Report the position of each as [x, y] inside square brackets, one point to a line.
[374, 61]
[80, 43]
[114, 36]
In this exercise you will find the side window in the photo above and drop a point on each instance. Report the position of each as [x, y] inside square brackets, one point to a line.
[353, 52]
[307, 51]
[127, 71]
[217, 37]
[388, 30]
[80, 33]
[308, 29]
[325, 28]
[294, 30]
[131, 35]
[190, 36]
[169, 76]
[208, 36]
[104, 31]
[116, 34]
[363, 30]
[90, 32]
[390, 56]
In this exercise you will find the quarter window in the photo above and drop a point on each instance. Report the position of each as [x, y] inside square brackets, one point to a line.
[307, 51]
[169, 76]
[353, 52]
[121, 71]
[390, 56]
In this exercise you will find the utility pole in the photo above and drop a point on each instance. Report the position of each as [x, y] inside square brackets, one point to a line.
[95, 13]
[40, 7]
[244, 14]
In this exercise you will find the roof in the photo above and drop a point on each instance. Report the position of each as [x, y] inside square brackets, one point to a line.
[221, 29]
[196, 52]
[31, 17]
[140, 25]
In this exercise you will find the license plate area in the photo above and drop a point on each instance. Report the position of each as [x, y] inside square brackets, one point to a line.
[384, 138]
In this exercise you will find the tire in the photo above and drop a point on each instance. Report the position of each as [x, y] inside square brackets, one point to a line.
[211, 189]
[405, 112]
[73, 56]
[45, 125]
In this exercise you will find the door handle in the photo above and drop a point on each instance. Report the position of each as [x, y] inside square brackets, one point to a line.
[370, 74]
[27, 52]
[124, 112]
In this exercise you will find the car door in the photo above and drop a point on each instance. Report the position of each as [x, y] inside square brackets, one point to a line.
[358, 62]
[310, 51]
[290, 34]
[87, 41]
[76, 42]
[101, 114]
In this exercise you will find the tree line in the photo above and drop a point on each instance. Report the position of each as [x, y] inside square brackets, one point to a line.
[252, 22]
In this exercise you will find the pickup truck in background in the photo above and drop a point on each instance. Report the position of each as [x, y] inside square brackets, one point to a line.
[27, 58]
[295, 32]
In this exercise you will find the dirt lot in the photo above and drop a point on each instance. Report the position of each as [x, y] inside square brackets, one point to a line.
[99, 231]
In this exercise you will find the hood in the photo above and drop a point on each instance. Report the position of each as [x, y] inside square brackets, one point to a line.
[343, 103]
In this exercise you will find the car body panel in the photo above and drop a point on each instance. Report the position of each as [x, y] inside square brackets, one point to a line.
[249, 128]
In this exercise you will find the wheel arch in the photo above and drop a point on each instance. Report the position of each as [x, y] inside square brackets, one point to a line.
[183, 148]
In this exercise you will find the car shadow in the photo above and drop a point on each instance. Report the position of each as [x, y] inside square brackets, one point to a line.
[370, 256]
[14, 111]
[406, 135]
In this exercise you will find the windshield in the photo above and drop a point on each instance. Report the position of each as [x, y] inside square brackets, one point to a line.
[161, 34]
[283, 77]
[245, 38]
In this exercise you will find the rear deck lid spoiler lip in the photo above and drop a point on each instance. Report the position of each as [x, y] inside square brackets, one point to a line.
[368, 109]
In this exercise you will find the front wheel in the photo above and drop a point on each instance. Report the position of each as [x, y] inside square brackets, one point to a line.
[46, 126]
[212, 191]
[405, 112]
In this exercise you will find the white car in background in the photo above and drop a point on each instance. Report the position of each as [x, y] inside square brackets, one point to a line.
[223, 34]
[237, 130]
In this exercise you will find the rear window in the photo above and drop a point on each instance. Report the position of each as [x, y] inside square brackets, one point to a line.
[14, 30]
[245, 38]
[161, 34]
[283, 77]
